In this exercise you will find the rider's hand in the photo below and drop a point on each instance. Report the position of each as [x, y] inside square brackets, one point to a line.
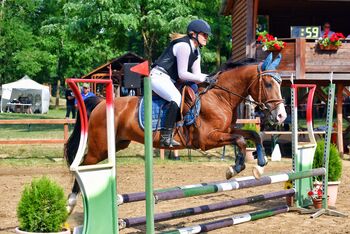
[210, 79]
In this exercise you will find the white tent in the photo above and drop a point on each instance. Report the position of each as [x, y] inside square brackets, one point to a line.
[37, 94]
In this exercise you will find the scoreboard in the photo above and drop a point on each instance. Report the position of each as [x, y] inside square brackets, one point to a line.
[308, 32]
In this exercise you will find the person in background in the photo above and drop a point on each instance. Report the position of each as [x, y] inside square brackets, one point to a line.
[85, 93]
[70, 101]
[326, 30]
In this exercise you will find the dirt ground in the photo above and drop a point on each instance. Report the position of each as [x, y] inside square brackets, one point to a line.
[131, 179]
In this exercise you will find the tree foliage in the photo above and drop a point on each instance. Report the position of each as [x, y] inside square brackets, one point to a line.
[56, 39]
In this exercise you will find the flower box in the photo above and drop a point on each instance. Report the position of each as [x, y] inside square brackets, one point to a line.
[328, 48]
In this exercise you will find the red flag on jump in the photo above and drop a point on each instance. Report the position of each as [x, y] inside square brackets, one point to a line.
[141, 68]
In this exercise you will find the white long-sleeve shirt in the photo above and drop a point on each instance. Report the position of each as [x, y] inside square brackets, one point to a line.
[182, 52]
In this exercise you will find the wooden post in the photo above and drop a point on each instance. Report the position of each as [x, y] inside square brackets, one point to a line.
[340, 88]
[300, 45]
[161, 153]
[65, 131]
[58, 93]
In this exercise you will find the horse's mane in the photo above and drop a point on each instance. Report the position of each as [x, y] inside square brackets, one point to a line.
[229, 64]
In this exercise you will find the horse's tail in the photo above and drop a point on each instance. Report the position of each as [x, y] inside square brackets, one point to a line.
[72, 144]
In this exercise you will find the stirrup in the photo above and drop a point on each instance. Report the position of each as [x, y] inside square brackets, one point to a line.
[168, 142]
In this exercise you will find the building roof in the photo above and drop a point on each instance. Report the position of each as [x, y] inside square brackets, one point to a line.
[117, 64]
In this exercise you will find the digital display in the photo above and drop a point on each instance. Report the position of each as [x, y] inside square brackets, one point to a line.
[308, 32]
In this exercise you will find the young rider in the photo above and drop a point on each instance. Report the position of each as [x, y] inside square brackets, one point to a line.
[180, 60]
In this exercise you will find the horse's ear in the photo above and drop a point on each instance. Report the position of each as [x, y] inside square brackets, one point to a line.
[267, 62]
[276, 62]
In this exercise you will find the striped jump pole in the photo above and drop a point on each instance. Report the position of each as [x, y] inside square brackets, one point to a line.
[227, 222]
[238, 184]
[141, 196]
[130, 222]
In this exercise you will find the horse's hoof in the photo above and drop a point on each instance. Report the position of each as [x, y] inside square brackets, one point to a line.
[230, 172]
[257, 171]
[71, 202]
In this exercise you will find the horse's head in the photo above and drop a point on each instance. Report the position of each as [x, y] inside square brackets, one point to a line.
[265, 89]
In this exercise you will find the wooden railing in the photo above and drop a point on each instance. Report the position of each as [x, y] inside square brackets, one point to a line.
[64, 122]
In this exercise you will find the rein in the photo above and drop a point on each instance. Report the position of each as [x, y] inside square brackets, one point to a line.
[262, 105]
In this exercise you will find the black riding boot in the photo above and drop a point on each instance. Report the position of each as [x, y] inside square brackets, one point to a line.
[166, 135]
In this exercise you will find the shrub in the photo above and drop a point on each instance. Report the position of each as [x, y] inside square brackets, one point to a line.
[335, 163]
[251, 127]
[42, 207]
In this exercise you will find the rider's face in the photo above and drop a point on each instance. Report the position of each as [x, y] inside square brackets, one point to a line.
[203, 38]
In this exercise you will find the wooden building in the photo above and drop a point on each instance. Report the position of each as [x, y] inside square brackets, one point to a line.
[115, 70]
[302, 60]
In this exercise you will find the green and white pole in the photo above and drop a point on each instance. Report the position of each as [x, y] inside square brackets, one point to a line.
[330, 106]
[143, 69]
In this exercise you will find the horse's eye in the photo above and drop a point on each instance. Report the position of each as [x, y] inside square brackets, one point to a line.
[268, 85]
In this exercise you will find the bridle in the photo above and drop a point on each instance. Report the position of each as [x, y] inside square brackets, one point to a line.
[263, 106]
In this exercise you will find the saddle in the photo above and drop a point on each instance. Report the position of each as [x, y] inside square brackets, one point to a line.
[187, 101]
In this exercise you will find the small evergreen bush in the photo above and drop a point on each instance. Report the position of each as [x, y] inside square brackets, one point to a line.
[251, 127]
[335, 163]
[42, 207]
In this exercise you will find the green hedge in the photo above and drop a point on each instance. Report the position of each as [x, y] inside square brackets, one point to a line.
[335, 162]
[42, 207]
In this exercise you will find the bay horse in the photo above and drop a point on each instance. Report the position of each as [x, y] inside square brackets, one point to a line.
[214, 127]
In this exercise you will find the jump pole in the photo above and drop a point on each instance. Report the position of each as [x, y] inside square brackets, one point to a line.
[143, 69]
[238, 184]
[227, 222]
[135, 221]
[141, 196]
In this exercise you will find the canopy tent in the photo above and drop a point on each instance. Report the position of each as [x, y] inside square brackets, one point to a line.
[38, 95]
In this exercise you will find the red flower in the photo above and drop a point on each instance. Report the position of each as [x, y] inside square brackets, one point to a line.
[340, 35]
[284, 44]
[277, 46]
[310, 193]
[260, 38]
[319, 193]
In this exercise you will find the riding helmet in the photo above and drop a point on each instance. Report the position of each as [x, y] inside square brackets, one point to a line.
[199, 26]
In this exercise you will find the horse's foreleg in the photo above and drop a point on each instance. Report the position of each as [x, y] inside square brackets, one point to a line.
[260, 152]
[89, 159]
[72, 197]
[227, 139]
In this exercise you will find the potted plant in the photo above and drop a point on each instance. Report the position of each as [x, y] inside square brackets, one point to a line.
[316, 196]
[331, 43]
[334, 169]
[250, 144]
[269, 42]
[42, 208]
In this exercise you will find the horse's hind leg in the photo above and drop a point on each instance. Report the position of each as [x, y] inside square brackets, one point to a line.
[240, 159]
